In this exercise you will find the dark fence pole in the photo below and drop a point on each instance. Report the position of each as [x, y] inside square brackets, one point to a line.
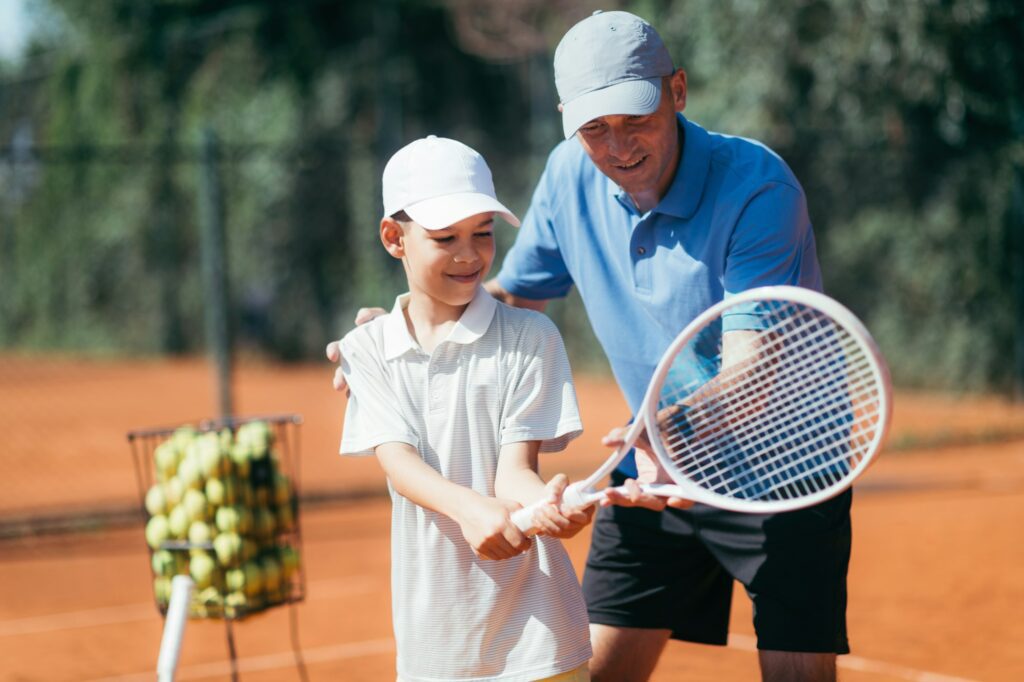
[215, 271]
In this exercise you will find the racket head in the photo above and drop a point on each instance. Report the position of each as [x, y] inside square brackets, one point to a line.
[786, 413]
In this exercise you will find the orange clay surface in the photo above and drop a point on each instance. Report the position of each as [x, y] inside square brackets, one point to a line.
[936, 581]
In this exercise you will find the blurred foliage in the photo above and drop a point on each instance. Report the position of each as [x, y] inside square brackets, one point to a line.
[903, 120]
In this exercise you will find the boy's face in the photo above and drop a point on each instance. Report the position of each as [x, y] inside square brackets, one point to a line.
[447, 265]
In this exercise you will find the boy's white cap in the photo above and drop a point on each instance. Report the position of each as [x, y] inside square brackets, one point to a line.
[610, 63]
[438, 182]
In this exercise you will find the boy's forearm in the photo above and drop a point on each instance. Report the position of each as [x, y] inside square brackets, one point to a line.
[417, 481]
[517, 478]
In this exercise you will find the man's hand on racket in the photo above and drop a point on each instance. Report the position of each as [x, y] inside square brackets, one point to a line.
[554, 519]
[334, 347]
[648, 471]
[486, 524]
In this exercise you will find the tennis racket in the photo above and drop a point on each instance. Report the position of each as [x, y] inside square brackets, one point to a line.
[774, 399]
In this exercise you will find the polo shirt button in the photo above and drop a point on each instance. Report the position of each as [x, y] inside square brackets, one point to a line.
[641, 250]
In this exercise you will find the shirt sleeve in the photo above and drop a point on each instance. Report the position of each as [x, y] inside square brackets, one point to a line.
[542, 402]
[773, 242]
[372, 417]
[534, 267]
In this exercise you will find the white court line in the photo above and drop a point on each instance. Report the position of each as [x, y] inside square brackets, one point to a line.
[860, 664]
[131, 613]
[221, 669]
[344, 587]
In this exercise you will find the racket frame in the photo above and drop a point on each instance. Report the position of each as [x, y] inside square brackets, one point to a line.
[584, 493]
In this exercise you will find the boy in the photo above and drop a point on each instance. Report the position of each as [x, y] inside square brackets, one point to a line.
[456, 394]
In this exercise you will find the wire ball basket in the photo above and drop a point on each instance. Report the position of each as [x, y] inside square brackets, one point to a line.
[221, 504]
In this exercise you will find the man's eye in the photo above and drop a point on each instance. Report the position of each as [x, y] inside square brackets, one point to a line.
[444, 240]
[486, 234]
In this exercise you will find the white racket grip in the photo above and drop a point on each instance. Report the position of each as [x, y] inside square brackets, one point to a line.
[575, 496]
[523, 518]
[174, 628]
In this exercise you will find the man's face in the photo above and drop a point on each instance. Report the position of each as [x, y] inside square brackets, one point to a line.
[639, 153]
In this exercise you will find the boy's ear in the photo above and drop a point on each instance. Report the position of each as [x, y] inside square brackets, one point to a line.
[392, 236]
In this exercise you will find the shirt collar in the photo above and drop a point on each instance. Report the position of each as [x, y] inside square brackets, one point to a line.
[683, 196]
[473, 324]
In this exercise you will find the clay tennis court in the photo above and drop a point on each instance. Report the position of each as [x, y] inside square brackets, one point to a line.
[935, 587]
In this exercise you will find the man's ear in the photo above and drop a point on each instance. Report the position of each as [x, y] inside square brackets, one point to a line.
[678, 84]
[392, 236]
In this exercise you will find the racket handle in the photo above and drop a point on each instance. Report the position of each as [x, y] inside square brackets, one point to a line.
[575, 496]
[523, 518]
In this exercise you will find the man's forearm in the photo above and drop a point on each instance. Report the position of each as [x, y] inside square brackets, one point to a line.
[497, 291]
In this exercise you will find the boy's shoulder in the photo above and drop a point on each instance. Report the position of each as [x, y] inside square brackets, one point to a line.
[367, 337]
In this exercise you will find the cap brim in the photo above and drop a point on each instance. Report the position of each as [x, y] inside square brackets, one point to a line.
[444, 211]
[631, 98]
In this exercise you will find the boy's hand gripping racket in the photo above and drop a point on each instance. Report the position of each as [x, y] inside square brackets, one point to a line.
[775, 399]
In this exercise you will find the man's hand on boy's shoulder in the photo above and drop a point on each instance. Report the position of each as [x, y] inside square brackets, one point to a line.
[333, 349]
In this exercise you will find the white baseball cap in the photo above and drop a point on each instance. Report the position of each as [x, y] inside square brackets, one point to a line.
[438, 182]
[610, 63]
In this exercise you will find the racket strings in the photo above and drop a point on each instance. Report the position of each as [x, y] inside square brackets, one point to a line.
[824, 410]
[782, 468]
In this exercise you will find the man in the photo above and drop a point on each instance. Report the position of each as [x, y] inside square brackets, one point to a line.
[656, 219]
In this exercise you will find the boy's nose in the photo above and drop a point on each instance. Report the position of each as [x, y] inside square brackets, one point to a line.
[466, 255]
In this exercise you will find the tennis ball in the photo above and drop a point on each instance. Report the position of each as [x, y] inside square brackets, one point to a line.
[285, 518]
[234, 579]
[156, 500]
[253, 577]
[282, 489]
[195, 505]
[162, 590]
[210, 597]
[235, 603]
[289, 562]
[165, 457]
[158, 530]
[173, 491]
[199, 533]
[216, 492]
[201, 567]
[264, 523]
[209, 456]
[230, 489]
[271, 573]
[227, 519]
[228, 547]
[189, 473]
[240, 454]
[261, 495]
[178, 522]
[164, 563]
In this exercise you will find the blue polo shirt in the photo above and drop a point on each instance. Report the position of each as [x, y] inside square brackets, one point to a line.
[734, 217]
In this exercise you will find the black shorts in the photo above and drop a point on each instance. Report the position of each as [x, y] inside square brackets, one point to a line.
[675, 570]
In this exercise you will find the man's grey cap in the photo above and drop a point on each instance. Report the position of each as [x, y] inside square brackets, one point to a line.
[608, 64]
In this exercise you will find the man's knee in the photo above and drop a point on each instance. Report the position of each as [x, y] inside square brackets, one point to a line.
[790, 666]
[625, 654]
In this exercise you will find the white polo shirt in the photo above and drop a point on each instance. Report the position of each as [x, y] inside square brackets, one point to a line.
[501, 376]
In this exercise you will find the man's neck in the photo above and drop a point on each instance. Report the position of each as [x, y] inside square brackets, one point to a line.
[648, 199]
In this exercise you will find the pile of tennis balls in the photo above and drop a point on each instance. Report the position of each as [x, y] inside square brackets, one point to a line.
[222, 511]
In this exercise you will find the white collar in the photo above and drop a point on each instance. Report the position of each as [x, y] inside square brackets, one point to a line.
[473, 323]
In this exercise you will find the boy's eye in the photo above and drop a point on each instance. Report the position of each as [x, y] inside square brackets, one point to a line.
[444, 240]
[485, 234]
